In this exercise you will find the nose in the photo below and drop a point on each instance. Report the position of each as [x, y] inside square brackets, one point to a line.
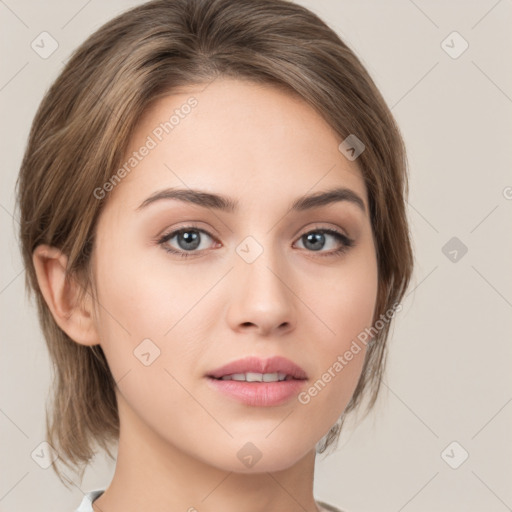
[262, 299]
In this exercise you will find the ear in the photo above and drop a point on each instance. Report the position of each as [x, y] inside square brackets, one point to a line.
[61, 295]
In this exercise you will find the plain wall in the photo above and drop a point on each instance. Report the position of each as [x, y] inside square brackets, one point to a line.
[448, 378]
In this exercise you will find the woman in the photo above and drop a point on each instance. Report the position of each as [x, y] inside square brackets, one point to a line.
[213, 222]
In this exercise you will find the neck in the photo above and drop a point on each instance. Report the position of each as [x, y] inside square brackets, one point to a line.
[153, 475]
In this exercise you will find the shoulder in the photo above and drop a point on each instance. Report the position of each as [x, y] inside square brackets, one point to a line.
[89, 497]
[325, 507]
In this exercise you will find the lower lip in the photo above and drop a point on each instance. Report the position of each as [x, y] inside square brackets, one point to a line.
[262, 394]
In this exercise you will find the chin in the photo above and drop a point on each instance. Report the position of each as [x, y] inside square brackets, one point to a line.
[260, 455]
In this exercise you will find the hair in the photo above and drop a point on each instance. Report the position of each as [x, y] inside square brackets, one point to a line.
[81, 133]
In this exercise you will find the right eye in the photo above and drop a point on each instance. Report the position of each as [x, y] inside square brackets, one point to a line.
[188, 239]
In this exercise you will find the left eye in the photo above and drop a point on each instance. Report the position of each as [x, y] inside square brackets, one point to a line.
[316, 241]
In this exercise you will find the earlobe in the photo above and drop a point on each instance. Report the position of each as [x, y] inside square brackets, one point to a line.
[61, 295]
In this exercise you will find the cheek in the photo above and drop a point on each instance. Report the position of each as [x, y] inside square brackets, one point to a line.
[144, 321]
[150, 306]
[349, 301]
[347, 307]
[144, 296]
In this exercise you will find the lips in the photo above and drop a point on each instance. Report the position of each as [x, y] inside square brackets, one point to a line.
[258, 382]
[254, 365]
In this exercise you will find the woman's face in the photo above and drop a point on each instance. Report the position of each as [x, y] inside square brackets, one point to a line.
[262, 277]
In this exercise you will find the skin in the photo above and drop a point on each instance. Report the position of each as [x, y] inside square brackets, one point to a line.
[179, 438]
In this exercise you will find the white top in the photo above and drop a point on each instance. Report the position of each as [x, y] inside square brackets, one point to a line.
[86, 505]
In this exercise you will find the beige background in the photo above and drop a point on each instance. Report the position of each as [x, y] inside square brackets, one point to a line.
[449, 375]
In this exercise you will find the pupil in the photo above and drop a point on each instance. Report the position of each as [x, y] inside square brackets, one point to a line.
[190, 238]
[313, 238]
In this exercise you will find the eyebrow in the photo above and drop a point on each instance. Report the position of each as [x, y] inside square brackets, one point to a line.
[227, 204]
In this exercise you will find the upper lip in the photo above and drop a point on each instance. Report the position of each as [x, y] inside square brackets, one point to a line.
[276, 364]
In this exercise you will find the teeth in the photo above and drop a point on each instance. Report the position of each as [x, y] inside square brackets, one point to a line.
[256, 377]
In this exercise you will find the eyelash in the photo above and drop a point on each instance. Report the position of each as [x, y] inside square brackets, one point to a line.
[346, 243]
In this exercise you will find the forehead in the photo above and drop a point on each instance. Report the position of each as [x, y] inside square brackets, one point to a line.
[244, 139]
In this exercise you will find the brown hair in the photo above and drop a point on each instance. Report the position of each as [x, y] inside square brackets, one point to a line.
[83, 126]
